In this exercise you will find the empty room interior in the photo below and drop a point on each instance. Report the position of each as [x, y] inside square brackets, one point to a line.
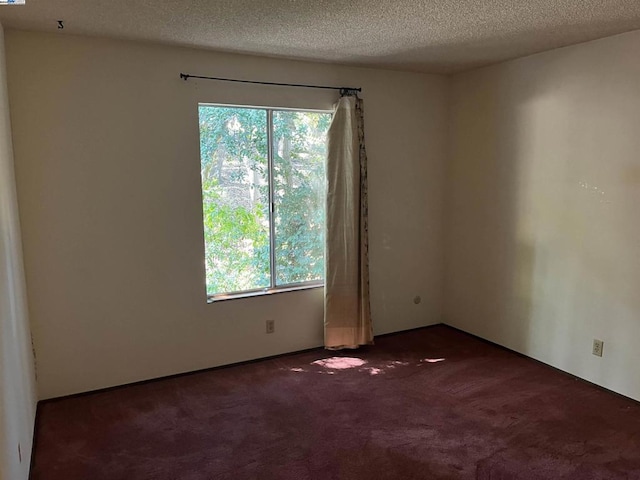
[205, 274]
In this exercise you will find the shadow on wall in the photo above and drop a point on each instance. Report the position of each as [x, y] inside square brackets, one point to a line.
[492, 256]
[492, 49]
[543, 227]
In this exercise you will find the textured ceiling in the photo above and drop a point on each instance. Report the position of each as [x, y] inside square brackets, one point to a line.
[440, 36]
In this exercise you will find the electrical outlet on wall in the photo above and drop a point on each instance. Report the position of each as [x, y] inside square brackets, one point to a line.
[271, 326]
[598, 346]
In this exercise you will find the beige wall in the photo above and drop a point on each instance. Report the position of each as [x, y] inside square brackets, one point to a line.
[107, 162]
[542, 208]
[541, 231]
[17, 381]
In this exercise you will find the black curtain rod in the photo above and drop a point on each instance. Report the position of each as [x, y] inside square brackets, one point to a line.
[186, 76]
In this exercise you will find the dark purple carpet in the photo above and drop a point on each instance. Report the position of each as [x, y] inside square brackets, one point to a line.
[429, 404]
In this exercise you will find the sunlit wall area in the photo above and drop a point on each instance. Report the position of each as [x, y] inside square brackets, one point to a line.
[543, 193]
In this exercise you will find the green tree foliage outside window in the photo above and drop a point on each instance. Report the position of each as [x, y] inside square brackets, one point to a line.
[236, 186]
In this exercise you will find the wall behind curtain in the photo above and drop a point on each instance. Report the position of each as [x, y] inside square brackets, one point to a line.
[17, 382]
[107, 162]
[543, 225]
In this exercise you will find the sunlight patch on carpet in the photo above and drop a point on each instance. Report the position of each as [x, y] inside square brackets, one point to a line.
[340, 363]
[432, 360]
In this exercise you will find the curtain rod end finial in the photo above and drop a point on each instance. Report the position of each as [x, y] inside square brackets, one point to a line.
[348, 91]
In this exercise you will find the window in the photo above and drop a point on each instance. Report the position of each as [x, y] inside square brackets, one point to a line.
[263, 198]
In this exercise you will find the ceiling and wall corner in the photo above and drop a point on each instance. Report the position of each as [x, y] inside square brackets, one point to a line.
[436, 36]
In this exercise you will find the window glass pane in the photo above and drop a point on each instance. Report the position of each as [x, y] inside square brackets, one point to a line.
[299, 150]
[233, 156]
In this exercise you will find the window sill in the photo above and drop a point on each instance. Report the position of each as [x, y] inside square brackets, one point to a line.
[261, 293]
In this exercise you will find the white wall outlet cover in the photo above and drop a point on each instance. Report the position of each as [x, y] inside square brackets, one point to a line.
[598, 347]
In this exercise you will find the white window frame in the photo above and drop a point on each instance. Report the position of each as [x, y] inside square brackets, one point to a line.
[273, 288]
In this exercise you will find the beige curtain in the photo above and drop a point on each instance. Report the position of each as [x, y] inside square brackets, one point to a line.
[347, 314]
